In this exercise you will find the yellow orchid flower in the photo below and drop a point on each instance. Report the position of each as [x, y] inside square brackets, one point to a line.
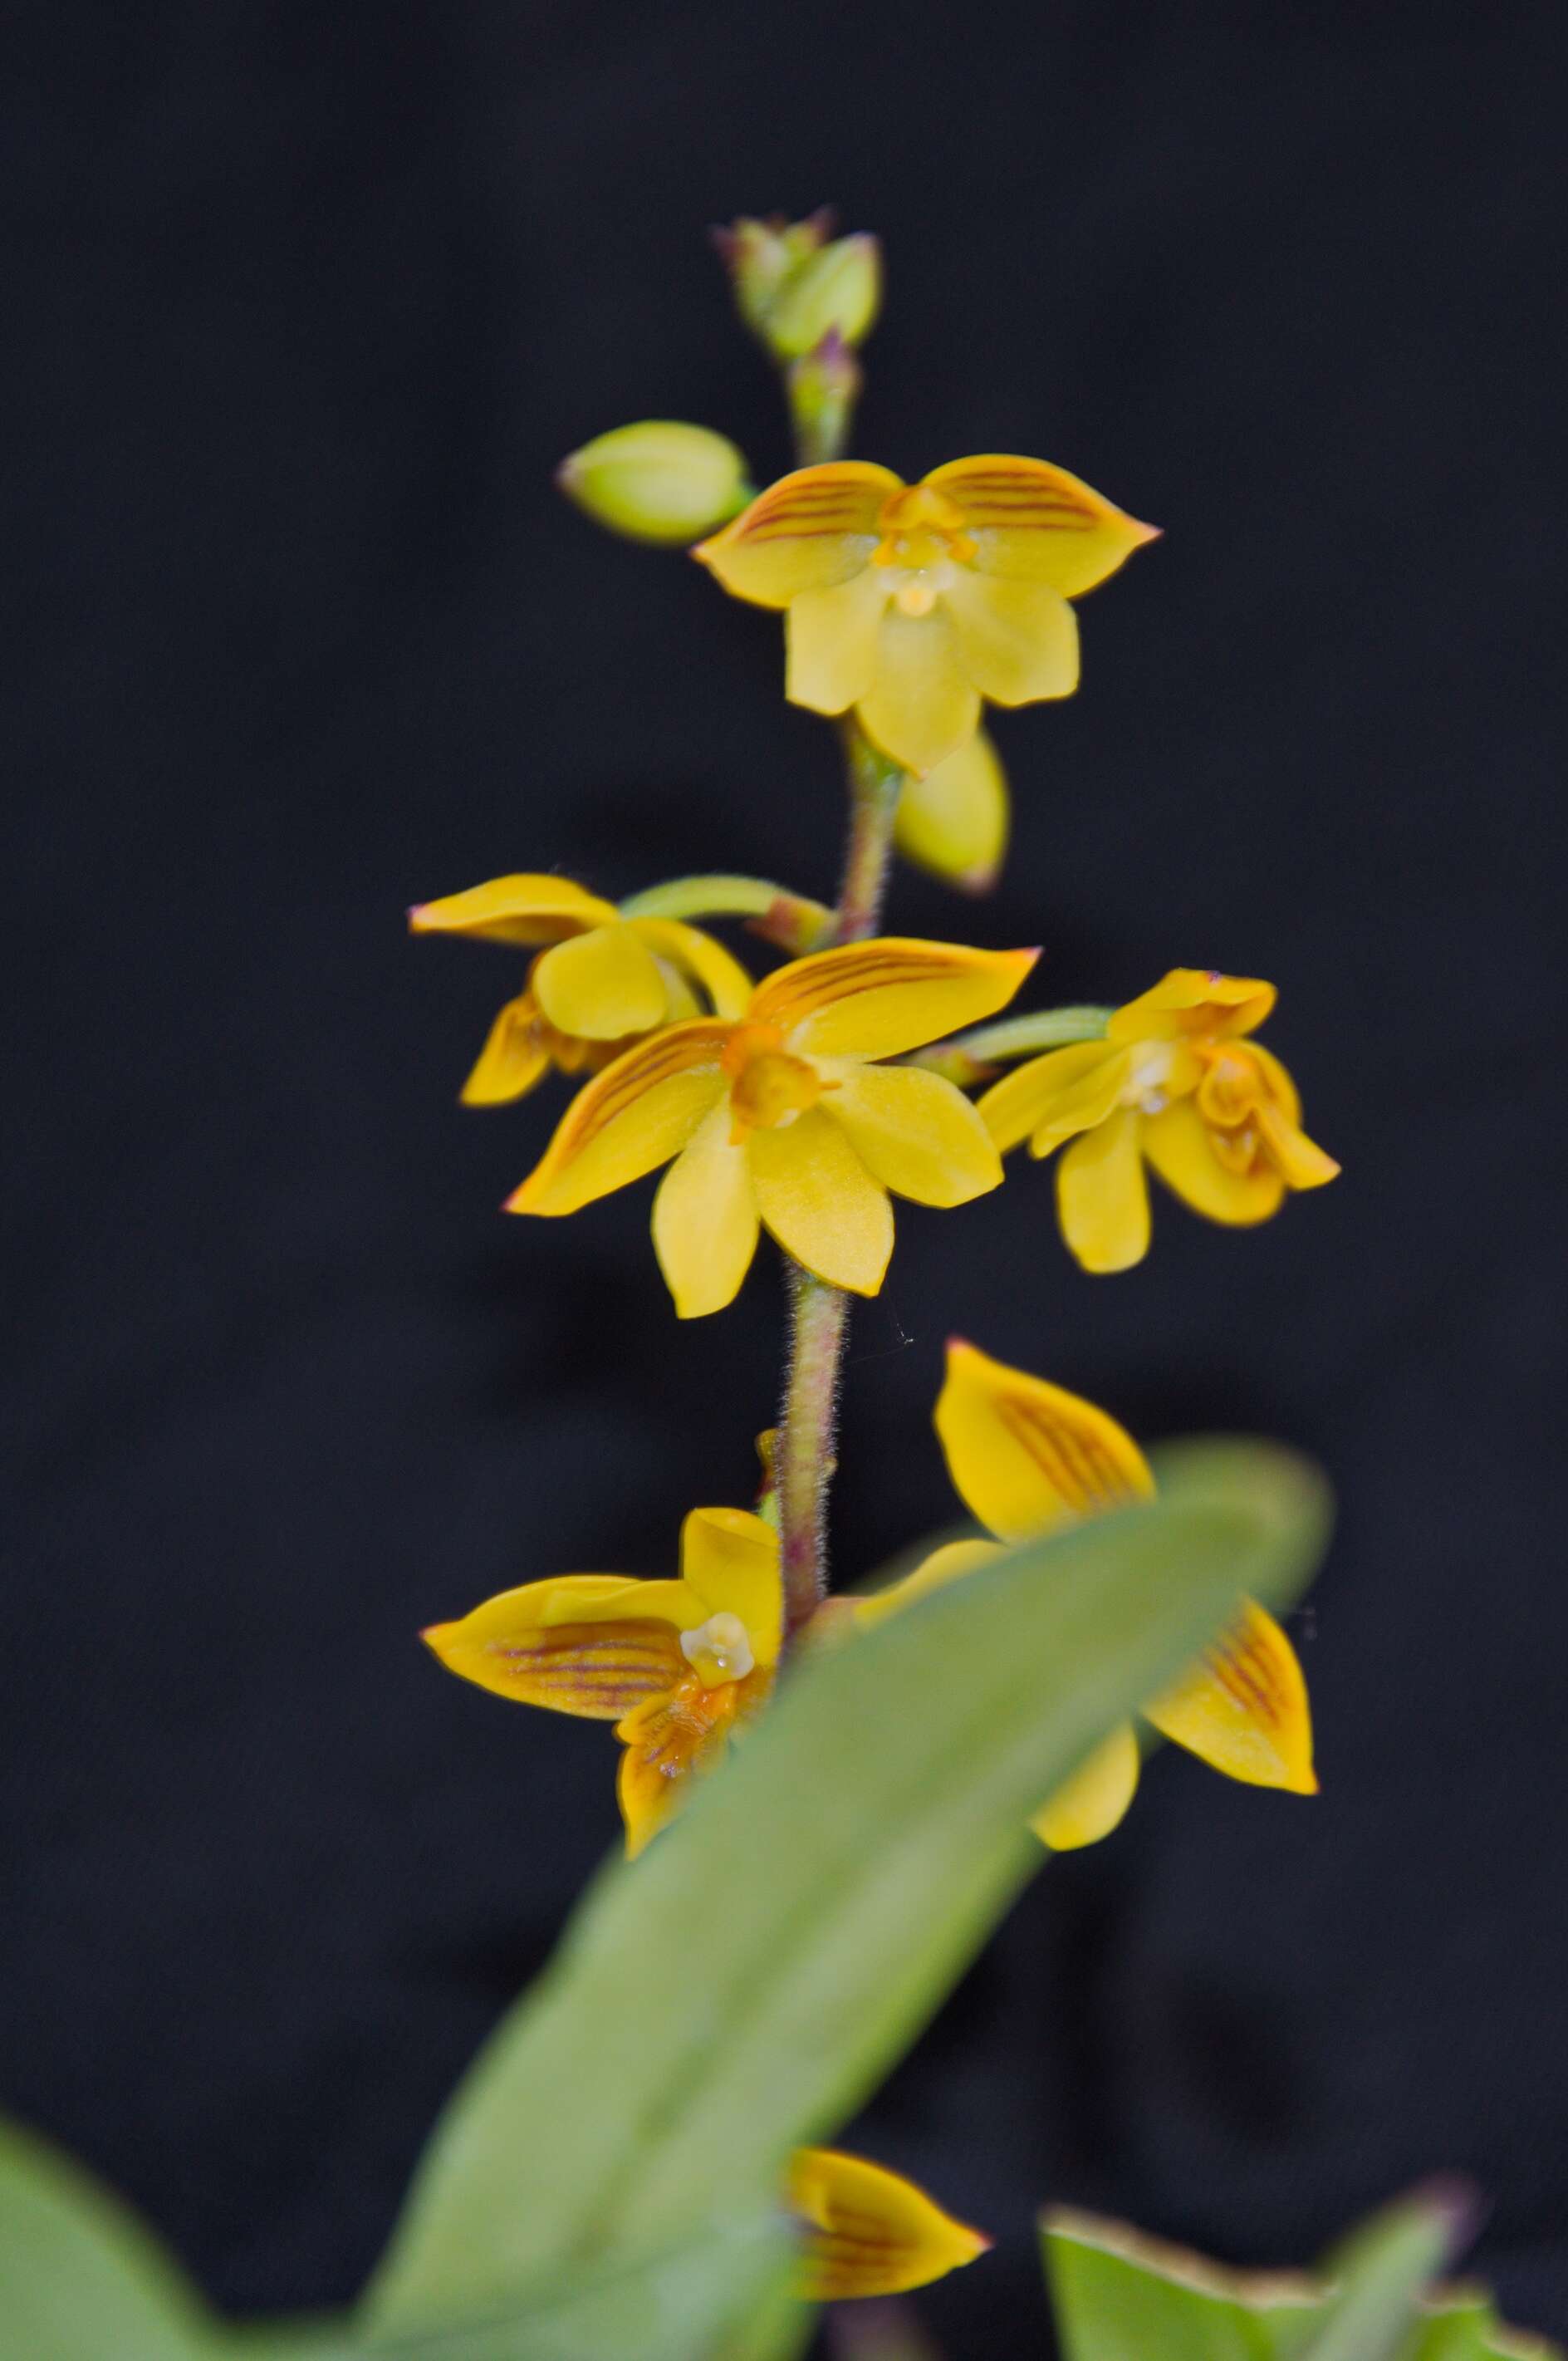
[1172, 1081]
[784, 1118]
[601, 983]
[911, 603]
[869, 2231]
[679, 1666]
[1027, 1456]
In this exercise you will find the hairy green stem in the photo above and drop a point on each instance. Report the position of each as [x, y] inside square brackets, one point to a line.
[794, 921]
[820, 1313]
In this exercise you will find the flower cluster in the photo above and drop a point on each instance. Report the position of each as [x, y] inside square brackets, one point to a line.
[868, 1066]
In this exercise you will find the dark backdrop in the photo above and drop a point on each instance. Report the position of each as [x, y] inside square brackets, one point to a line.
[304, 303]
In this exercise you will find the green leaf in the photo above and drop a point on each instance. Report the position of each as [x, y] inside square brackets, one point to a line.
[741, 1988]
[674, 2304]
[1462, 2324]
[80, 2277]
[1379, 2277]
[1116, 2294]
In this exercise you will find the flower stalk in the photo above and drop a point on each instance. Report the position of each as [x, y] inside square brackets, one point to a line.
[971, 1058]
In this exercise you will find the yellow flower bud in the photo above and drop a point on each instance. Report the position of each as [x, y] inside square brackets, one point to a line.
[954, 820]
[835, 292]
[660, 480]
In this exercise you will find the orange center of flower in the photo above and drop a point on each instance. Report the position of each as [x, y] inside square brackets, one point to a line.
[923, 537]
[1236, 1103]
[768, 1086]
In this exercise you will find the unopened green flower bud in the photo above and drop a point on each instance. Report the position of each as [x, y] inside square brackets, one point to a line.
[760, 256]
[835, 292]
[660, 480]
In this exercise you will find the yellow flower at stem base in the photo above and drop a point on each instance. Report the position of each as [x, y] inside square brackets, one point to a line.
[1028, 1457]
[869, 2231]
[785, 1119]
[911, 603]
[1173, 1083]
[679, 1668]
[600, 981]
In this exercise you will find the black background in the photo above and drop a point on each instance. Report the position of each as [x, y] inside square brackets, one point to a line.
[304, 305]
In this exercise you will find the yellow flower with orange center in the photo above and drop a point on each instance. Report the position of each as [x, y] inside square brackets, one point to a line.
[679, 1666]
[1174, 1083]
[599, 982]
[911, 603]
[784, 1118]
[1028, 1457]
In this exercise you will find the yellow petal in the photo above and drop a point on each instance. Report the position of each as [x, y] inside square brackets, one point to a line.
[1095, 1799]
[954, 820]
[916, 1134]
[704, 1219]
[809, 531]
[528, 908]
[1052, 1097]
[730, 1559]
[871, 2232]
[721, 976]
[820, 1203]
[1180, 1148]
[1194, 1000]
[922, 706]
[594, 1644]
[1243, 1709]
[881, 998]
[1037, 524]
[602, 986]
[1102, 1198]
[1025, 1455]
[513, 1057]
[628, 1120]
[1016, 640]
[831, 638]
[948, 1563]
[1300, 1162]
[669, 1742]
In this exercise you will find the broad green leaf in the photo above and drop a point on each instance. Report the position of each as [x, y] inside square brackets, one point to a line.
[742, 1987]
[1117, 2294]
[1462, 2324]
[80, 2279]
[1377, 2277]
[674, 2304]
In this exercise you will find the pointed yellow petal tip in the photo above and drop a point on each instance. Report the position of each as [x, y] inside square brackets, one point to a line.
[976, 882]
[870, 2230]
[419, 917]
[434, 1637]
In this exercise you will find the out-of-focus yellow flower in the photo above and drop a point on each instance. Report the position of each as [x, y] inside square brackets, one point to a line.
[1026, 1457]
[1172, 1081]
[785, 1119]
[869, 2231]
[602, 982]
[911, 603]
[954, 820]
[679, 1668]
[660, 480]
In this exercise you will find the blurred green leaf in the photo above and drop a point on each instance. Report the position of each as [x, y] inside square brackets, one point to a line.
[80, 2279]
[669, 2305]
[742, 1988]
[1462, 2324]
[1377, 2277]
[1116, 2294]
